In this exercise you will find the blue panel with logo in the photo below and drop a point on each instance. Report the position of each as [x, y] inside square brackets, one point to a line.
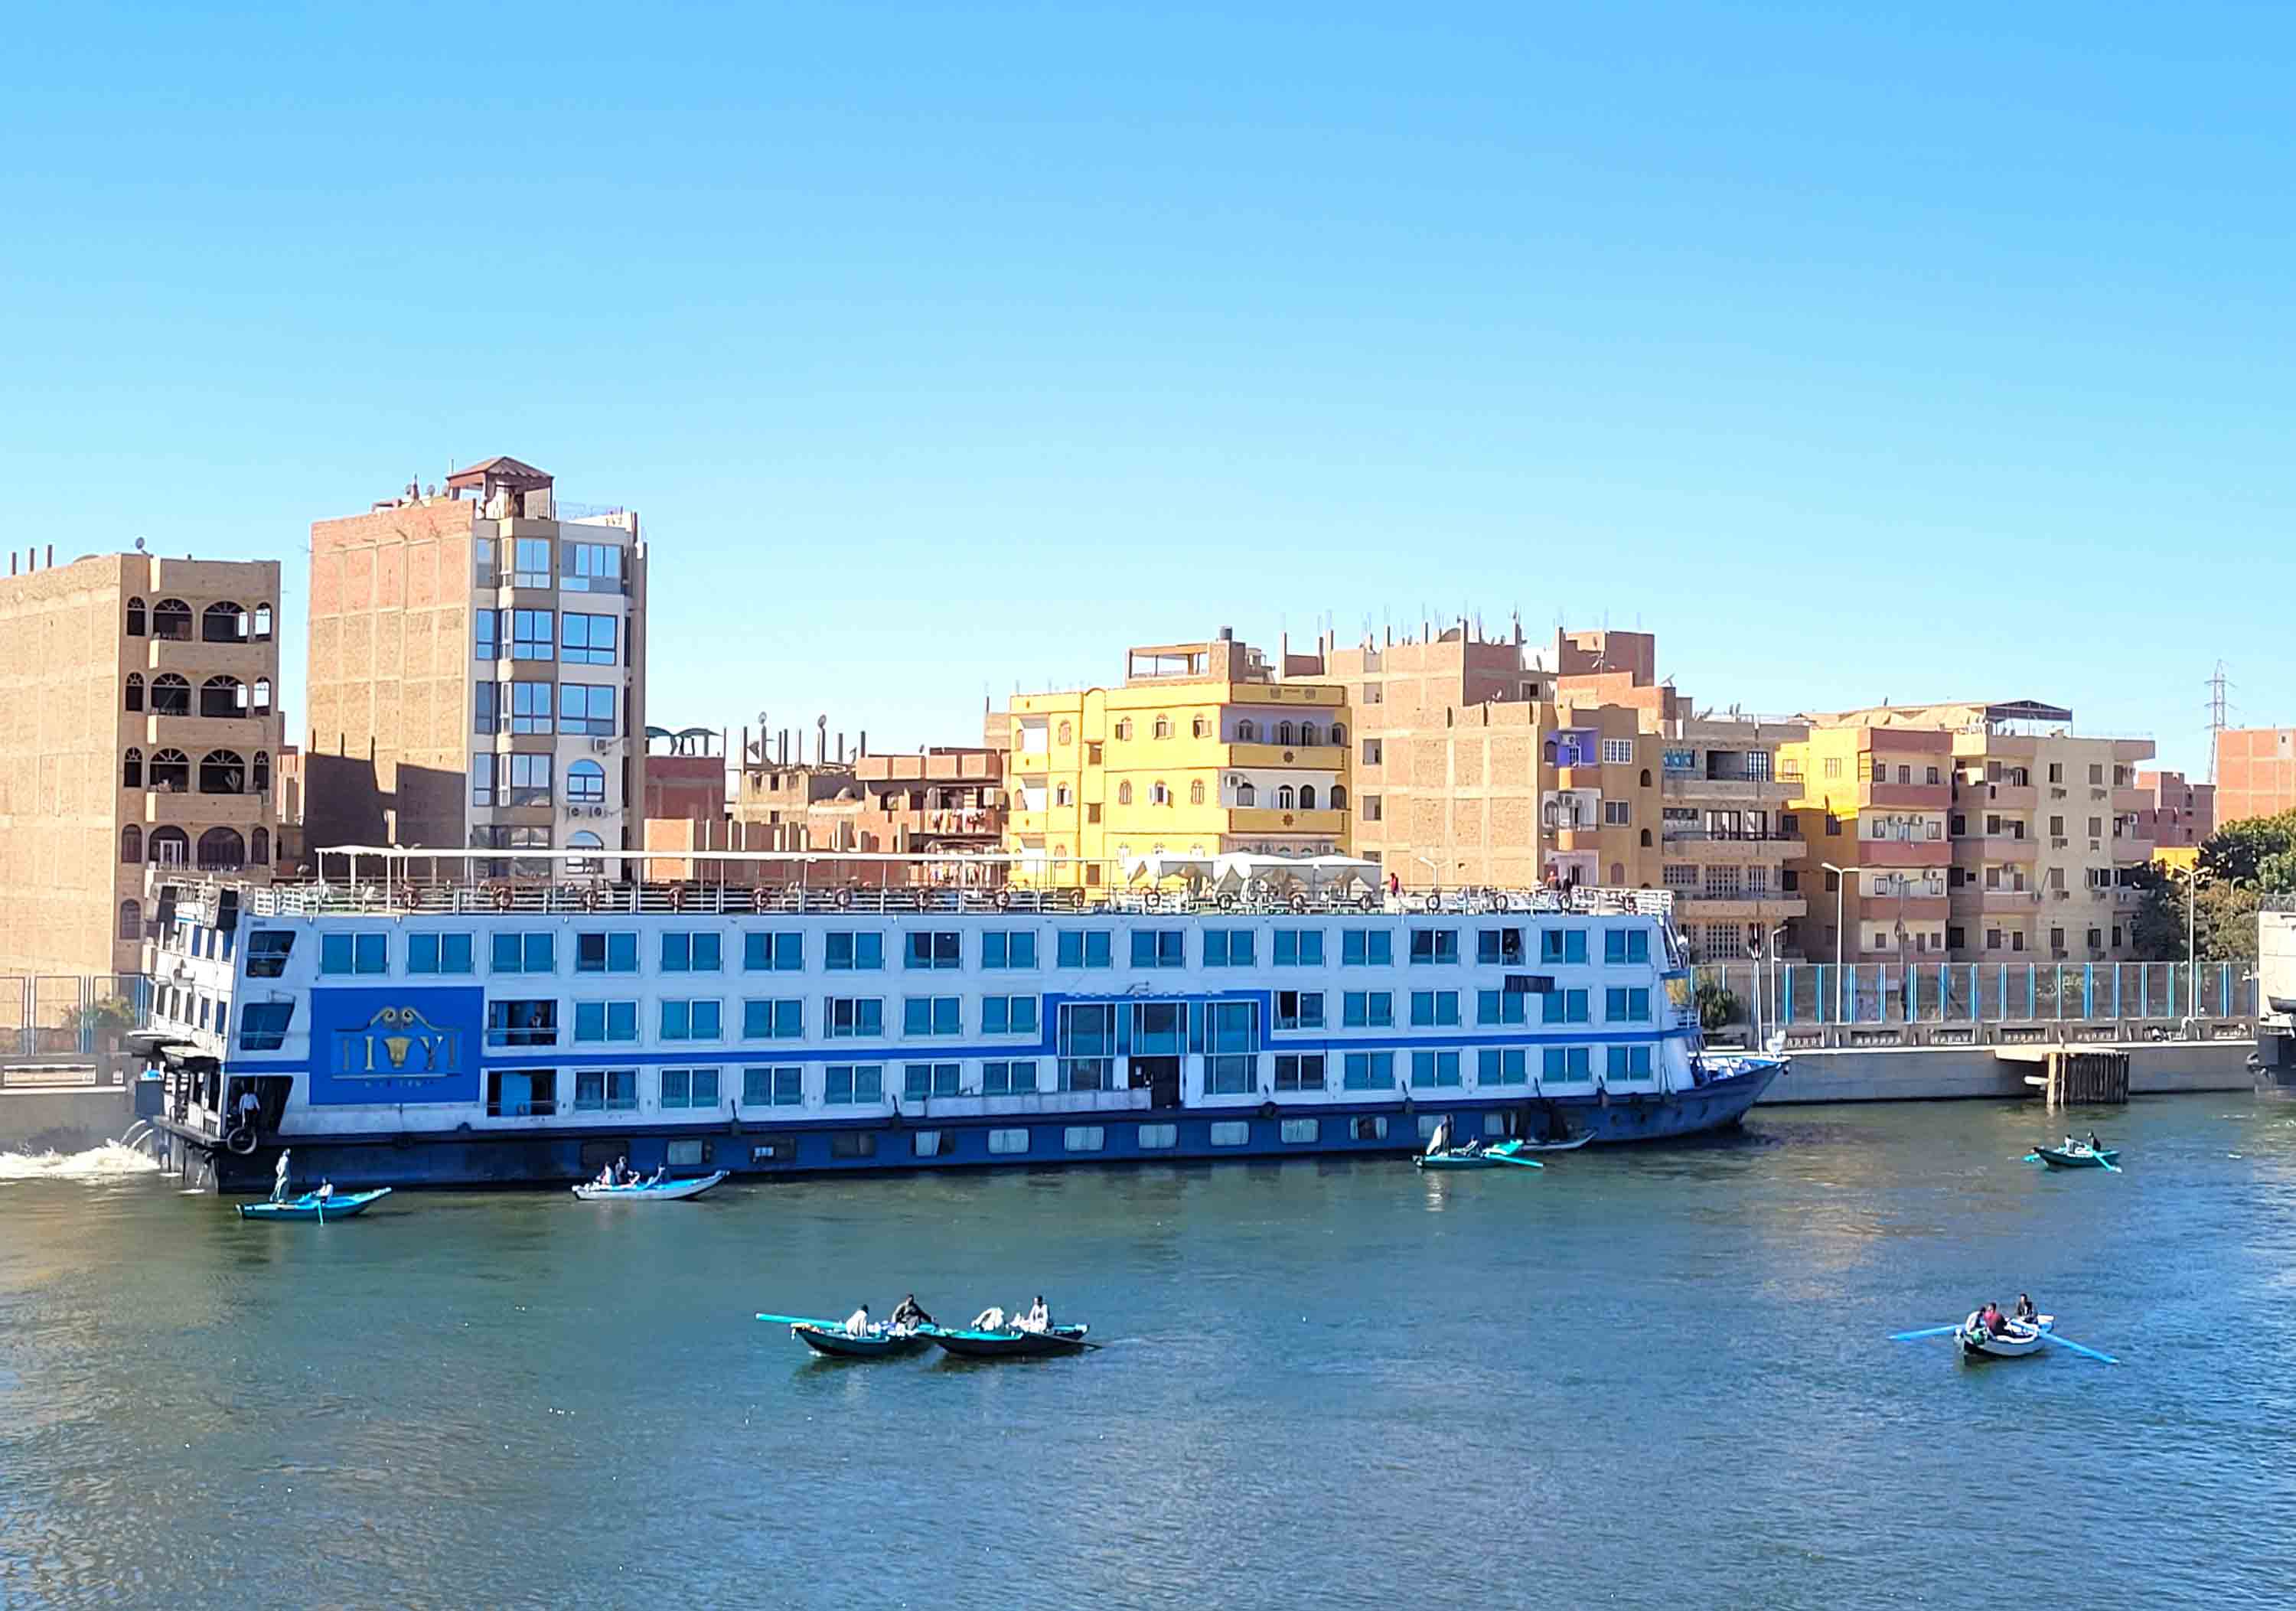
[373, 1046]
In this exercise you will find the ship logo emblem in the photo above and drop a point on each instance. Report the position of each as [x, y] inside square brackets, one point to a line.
[398, 1042]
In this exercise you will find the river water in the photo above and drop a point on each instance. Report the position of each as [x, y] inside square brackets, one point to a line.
[1644, 1378]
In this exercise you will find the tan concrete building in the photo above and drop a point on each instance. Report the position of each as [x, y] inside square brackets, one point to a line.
[138, 727]
[2256, 773]
[478, 671]
[2178, 814]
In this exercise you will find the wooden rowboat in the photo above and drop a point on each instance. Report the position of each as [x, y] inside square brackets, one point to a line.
[1010, 1343]
[648, 1191]
[2077, 1157]
[878, 1342]
[2017, 1339]
[314, 1207]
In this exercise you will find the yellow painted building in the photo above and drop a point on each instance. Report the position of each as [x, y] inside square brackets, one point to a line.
[1201, 749]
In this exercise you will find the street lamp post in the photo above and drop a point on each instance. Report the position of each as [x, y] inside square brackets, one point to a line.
[1841, 876]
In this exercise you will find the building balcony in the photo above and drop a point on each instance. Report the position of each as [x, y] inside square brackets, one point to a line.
[1268, 819]
[2127, 798]
[1975, 850]
[1584, 837]
[1696, 905]
[1887, 909]
[1930, 796]
[2006, 903]
[1998, 797]
[1728, 791]
[166, 807]
[1707, 849]
[1903, 852]
[198, 661]
[1311, 757]
[1587, 775]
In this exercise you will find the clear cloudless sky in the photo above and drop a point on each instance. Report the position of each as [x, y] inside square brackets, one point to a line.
[1861, 353]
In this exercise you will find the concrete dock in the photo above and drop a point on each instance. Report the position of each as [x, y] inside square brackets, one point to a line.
[1934, 1074]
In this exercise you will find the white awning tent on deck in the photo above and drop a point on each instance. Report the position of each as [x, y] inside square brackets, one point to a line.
[1234, 869]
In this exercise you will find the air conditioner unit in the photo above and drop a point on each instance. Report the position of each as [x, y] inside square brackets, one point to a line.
[599, 746]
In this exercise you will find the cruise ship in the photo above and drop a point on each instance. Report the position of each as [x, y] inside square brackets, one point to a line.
[535, 1030]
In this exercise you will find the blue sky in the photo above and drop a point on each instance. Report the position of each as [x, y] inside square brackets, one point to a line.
[1913, 353]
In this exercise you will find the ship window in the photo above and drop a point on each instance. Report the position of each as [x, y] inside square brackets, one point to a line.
[1303, 1130]
[1230, 1132]
[268, 950]
[773, 1087]
[1084, 1137]
[605, 1090]
[689, 1087]
[263, 1025]
[1006, 1141]
[521, 1023]
[612, 952]
[1371, 1127]
[851, 1085]
[355, 953]
[853, 1144]
[437, 954]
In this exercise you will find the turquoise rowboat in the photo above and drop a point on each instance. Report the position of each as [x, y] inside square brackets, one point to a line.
[312, 1206]
[1506, 1155]
[1010, 1343]
[2077, 1157]
[878, 1342]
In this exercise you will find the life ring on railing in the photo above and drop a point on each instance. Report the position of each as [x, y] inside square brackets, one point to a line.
[1366, 903]
[240, 1139]
[1003, 900]
[761, 899]
[845, 900]
[1227, 901]
[591, 898]
[1268, 1110]
[409, 897]
[677, 897]
[1299, 902]
[502, 897]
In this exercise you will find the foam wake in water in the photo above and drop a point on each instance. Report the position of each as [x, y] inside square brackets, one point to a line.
[110, 1161]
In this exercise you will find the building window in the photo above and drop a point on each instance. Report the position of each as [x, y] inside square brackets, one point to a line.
[591, 568]
[533, 634]
[1367, 1070]
[171, 771]
[131, 845]
[1367, 1009]
[483, 770]
[532, 953]
[171, 695]
[1299, 948]
[131, 920]
[1619, 751]
[855, 1017]
[530, 707]
[1199, 727]
[1440, 947]
[1124, 793]
[1302, 1071]
[134, 618]
[689, 1087]
[530, 780]
[1434, 1069]
[586, 708]
[530, 563]
[223, 622]
[1245, 794]
[1283, 734]
[1434, 1009]
[1008, 948]
[1247, 731]
[1163, 728]
[1067, 734]
[135, 692]
[1196, 792]
[692, 951]
[1370, 810]
[1008, 1141]
[168, 847]
[1123, 731]
[585, 782]
[589, 640]
[933, 949]
[486, 635]
[1158, 948]
[171, 620]
[223, 772]
[222, 696]
[262, 623]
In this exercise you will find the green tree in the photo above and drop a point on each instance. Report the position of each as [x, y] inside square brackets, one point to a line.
[2223, 918]
[2239, 852]
[1718, 1006]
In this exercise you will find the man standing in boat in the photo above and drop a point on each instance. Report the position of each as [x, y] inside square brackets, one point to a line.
[279, 1177]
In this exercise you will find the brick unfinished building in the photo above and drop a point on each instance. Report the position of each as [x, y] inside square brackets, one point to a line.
[138, 725]
[477, 672]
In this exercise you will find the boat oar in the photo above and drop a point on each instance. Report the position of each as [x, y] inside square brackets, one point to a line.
[2067, 1343]
[2108, 1162]
[2031, 1158]
[1926, 1331]
[1518, 1163]
[798, 1319]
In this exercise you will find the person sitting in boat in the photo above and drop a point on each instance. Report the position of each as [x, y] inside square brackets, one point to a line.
[910, 1313]
[326, 1190]
[2025, 1311]
[2095, 1145]
[1039, 1317]
[606, 1179]
[991, 1318]
[1992, 1319]
[856, 1324]
[660, 1170]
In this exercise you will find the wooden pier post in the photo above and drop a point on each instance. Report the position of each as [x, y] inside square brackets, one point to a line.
[2088, 1079]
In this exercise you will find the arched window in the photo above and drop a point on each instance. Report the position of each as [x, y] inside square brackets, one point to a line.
[1283, 734]
[263, 623]
[584, 840]
[223, 772]
[1306, 796]
[585, 782]
[1124, 793]
[1646, 839]
[1068, 734]
[1196, 792]
[134, 618]
[171, 618]
[222, 848]
[1123, 729]
[260, 784]
[223, 622]
[1339, 732]
[1199, 727]
[1284, 798]
[171, 771]
[1060, 795]
[1158, 795]
[1339, 798]
[262, 704]
[135, 690]
[1550, 751]
[258, 847]
[131, 769]
[172, 695]
[1646, 778]
[1306, 734]
[1247, 731]
[168, 847]
[131, 920]
[131, 845]
[1245, 794]
[1618, 875]
[223, 697]
[1060, 853]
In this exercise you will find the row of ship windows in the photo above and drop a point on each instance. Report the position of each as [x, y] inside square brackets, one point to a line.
[534, 1092]
[703, 950]
[264, 1025]
[1083, 1138]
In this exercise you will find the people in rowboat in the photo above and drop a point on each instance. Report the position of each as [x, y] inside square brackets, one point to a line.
[326, 1190]
[279, 1179]
[856, 1324]
[1990, 1318]
[605, 1177]
[910, 1313]
[2026, 1314]
[1039, 1317]
[2095, 1145]
[991, 1318]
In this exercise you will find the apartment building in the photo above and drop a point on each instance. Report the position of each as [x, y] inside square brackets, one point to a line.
[1731, 856]
[2178, 814]
[138, 734]
[1200, 750]
[2256, 773]
[2043, 831]
[1870, 804]
[478, 671]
